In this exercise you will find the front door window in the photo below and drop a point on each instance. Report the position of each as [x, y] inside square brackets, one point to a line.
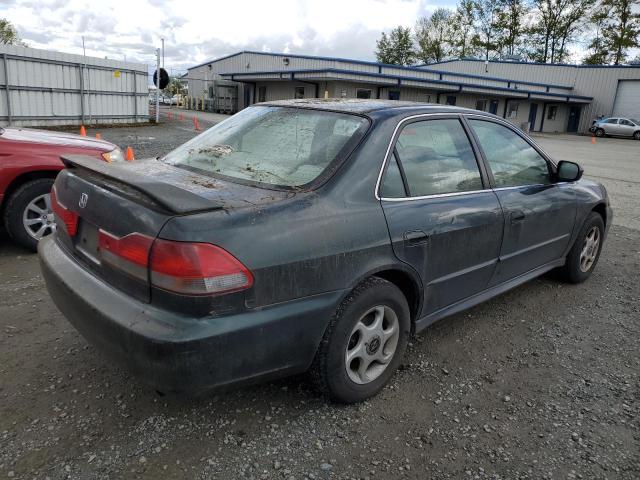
[512, 160]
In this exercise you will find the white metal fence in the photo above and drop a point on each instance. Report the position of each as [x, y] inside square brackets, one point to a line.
[45, 88]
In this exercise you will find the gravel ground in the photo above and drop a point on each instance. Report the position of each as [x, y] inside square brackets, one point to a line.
[542, 382]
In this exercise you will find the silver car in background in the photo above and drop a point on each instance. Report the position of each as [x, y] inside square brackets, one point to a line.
[621, 127]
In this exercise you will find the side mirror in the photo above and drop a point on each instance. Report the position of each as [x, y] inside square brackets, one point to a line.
[569, 171]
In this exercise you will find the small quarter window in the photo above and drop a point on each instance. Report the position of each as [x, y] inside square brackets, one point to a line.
[512, 160]
[437, 158]
[392, 186]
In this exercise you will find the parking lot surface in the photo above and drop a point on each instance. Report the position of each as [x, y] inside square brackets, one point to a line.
[541, 382]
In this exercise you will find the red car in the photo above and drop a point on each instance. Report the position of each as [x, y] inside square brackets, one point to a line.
[29, 162]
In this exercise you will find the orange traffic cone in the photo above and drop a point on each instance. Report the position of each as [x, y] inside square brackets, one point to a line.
[593, 140]
[196, 124]
[99, 136]
[129, 156]
[83, 131]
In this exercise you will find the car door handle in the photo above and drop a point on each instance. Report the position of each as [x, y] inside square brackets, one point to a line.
[517, 216]
[415, 237]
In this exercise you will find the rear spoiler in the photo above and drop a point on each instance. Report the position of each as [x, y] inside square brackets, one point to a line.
[174, 199]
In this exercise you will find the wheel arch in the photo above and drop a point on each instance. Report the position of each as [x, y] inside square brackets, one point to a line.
[23, 178]
[601, 209]
[405, 278]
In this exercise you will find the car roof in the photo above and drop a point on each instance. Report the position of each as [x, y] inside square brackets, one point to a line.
[354, 105]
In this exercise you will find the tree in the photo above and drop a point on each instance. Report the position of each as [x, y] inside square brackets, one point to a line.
[463, 35]
[510, 25]
[556, 26]
[176, 86]
[9, 34]
[433, 36]
[621, 29]
[599, 53]
[486, 13]
[396, 48]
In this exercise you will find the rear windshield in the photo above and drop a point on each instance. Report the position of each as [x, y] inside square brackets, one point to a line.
[277, 146]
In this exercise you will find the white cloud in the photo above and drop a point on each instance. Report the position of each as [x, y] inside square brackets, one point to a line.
[195, 31]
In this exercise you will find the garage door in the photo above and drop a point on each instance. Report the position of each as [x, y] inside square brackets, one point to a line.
[627, 102]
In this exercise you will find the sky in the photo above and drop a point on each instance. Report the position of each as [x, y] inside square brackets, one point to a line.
[196, 31]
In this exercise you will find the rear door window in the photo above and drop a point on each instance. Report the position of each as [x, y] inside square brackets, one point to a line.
[437, 158]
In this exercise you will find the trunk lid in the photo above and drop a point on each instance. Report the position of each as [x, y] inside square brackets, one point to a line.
[137, 198]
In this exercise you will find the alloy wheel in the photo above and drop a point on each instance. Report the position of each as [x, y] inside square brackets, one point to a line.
[372, 344]
[590, 249]
[37, 218]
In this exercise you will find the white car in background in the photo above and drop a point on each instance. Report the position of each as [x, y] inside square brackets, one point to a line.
[616, 126]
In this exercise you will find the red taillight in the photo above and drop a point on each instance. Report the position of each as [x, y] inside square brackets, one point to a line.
[69, 218]
[181, 267]
[129, 253]
[196, 269]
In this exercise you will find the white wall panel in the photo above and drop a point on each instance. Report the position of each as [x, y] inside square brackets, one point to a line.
[53, 88]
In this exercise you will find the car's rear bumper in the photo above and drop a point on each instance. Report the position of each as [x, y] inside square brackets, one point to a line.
[178, 353]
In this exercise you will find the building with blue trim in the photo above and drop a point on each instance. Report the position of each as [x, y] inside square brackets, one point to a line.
[550, 98]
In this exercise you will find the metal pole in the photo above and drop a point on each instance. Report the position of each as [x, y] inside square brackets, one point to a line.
[6, 87]
[158, 85]
[162, 52]
[80, 70]
[84, 54]
[135, 96]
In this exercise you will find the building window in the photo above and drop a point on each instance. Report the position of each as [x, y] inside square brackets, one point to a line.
[481, 105]
[363, 93]
[512, 111]
[299, 92]
[451, 100]
[553, 111]
[262, 94]
[394, 94]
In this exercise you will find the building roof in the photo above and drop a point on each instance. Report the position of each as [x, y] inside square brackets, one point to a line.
[380, 66]
[516, 62]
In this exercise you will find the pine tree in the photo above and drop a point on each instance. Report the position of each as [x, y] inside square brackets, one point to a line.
[464, 39]
[557, 24]
[433, 36]
[486, 13]
[622, 27]
[396, 48]
[510, 25]
[599, 52]
[9, 34]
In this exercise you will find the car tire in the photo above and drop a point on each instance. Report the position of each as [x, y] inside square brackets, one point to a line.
[16, 205]
[636, 135]
[599, 132]
[584, 255]
[355, 358]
